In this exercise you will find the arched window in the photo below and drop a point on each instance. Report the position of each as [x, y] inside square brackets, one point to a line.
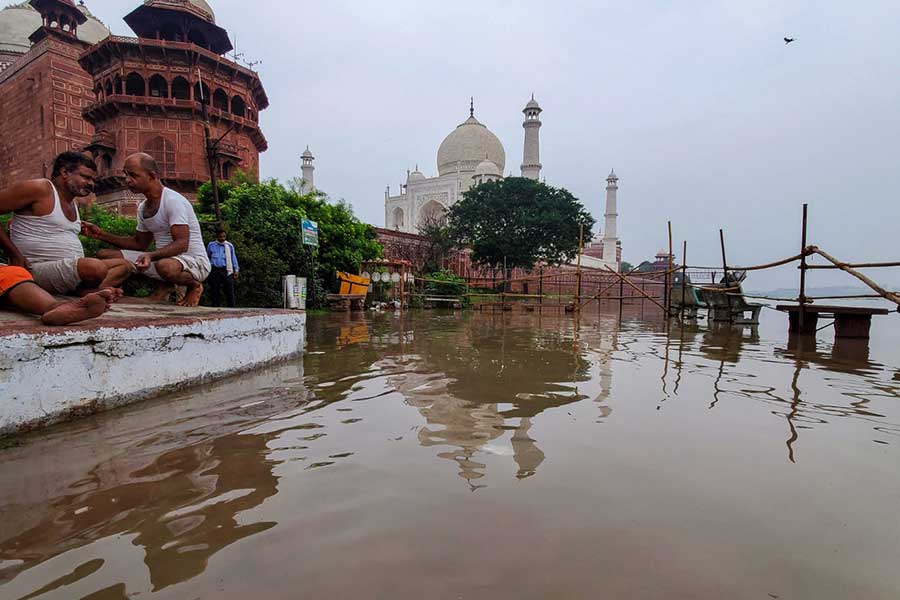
[119, 85]
[159, 87]
[433, 213]
[201, 94]
[163, 151]
[238, 107]
[397, 219]
[181, 89]
[195, 37]
[220, 100]
[108, 87]
[134, 85]
[227, 169]
[105, 164]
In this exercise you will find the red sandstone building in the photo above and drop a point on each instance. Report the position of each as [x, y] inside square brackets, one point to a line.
[69, 85]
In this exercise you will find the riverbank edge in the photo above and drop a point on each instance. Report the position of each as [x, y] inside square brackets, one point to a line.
[51, 377]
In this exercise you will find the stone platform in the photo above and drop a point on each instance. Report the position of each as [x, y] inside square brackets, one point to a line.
[133, 352]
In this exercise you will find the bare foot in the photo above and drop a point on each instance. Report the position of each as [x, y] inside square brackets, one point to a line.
[111, 294]
[162, 293]
[92, 305]
[192, 297]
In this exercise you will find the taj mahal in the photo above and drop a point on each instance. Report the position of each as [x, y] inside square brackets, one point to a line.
[470, 155]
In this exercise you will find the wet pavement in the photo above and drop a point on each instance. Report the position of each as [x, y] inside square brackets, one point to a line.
[467, 455]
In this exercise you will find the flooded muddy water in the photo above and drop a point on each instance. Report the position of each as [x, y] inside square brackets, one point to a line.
[469, 455]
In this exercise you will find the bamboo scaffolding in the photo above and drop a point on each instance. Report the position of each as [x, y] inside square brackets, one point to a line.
[636, 288]
[893, 297]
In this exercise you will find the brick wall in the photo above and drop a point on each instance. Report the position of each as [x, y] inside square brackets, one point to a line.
[41, 98]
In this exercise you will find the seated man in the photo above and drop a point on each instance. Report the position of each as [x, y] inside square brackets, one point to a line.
[166, 218]
[43, 233]
[19, 291]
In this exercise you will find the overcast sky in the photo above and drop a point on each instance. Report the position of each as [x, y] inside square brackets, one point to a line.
[707, 117]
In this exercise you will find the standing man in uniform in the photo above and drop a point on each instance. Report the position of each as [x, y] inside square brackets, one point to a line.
[225, 269]
[167, 219]
[43, 233]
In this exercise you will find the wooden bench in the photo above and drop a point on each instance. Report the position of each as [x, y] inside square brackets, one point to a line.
[454, 302]
[849, 321]
[345, 302]
[730, 306]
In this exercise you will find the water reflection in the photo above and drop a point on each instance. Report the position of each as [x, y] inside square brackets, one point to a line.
[477, 378]
[529, 405]
[181, 503]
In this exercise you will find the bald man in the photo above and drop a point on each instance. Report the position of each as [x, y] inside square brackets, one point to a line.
[167, 219]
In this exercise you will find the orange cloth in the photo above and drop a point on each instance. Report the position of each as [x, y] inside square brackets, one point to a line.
[10, 277]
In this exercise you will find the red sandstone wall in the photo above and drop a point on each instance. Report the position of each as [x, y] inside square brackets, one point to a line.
[41, 99]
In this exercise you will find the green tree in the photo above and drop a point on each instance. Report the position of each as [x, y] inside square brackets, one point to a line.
[438, 243]
[263, 221]
[626, 267]
[519, 220]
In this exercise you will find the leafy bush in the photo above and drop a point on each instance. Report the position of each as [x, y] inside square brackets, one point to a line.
[263, 222]
[445, 283]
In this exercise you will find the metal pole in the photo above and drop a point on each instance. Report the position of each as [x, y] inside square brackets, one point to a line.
[802, 298]
[210, 153]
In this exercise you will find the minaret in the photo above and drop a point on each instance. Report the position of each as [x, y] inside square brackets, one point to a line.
[307, 168]
[531, 157]
[610, 241]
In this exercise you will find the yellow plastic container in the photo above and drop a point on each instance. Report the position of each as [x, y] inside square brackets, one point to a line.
[353, 284]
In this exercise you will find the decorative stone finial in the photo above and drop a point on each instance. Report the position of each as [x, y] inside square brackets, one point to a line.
[472, 106]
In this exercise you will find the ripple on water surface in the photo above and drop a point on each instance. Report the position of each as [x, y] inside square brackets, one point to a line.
[478, 455]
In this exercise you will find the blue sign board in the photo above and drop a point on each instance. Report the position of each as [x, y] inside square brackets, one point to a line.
[310, 232]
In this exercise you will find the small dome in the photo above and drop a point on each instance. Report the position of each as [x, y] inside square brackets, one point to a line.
[307, 153]
[19, 21]
[487, 168]
[612, 175]
[416, 175]
[467, 146]
[532, 104]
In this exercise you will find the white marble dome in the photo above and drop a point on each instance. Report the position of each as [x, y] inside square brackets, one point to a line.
[416, 175]
[19, 21]
[467, 145]
[487, 168]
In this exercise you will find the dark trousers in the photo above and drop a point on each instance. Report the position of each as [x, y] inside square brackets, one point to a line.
[218, 279]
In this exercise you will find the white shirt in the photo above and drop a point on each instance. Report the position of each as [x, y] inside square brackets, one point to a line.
[174, 209]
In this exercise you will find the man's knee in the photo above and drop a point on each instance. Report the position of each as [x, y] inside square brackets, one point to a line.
[92, 269]
[169, 268]
[108, 253]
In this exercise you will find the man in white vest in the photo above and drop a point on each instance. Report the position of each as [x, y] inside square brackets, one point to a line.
[165, 219]
[225, 269]
[43, 232]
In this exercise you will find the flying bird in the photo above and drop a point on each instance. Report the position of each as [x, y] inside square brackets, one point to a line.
[788, 40]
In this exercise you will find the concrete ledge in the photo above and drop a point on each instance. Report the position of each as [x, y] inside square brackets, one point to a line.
[48, 375]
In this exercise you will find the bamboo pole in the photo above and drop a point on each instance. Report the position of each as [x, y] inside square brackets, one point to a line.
[725, 268]
[683, 278]
[801, 299]
[666, 291]
[578, 267]
[856, 265]
[892, 296]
